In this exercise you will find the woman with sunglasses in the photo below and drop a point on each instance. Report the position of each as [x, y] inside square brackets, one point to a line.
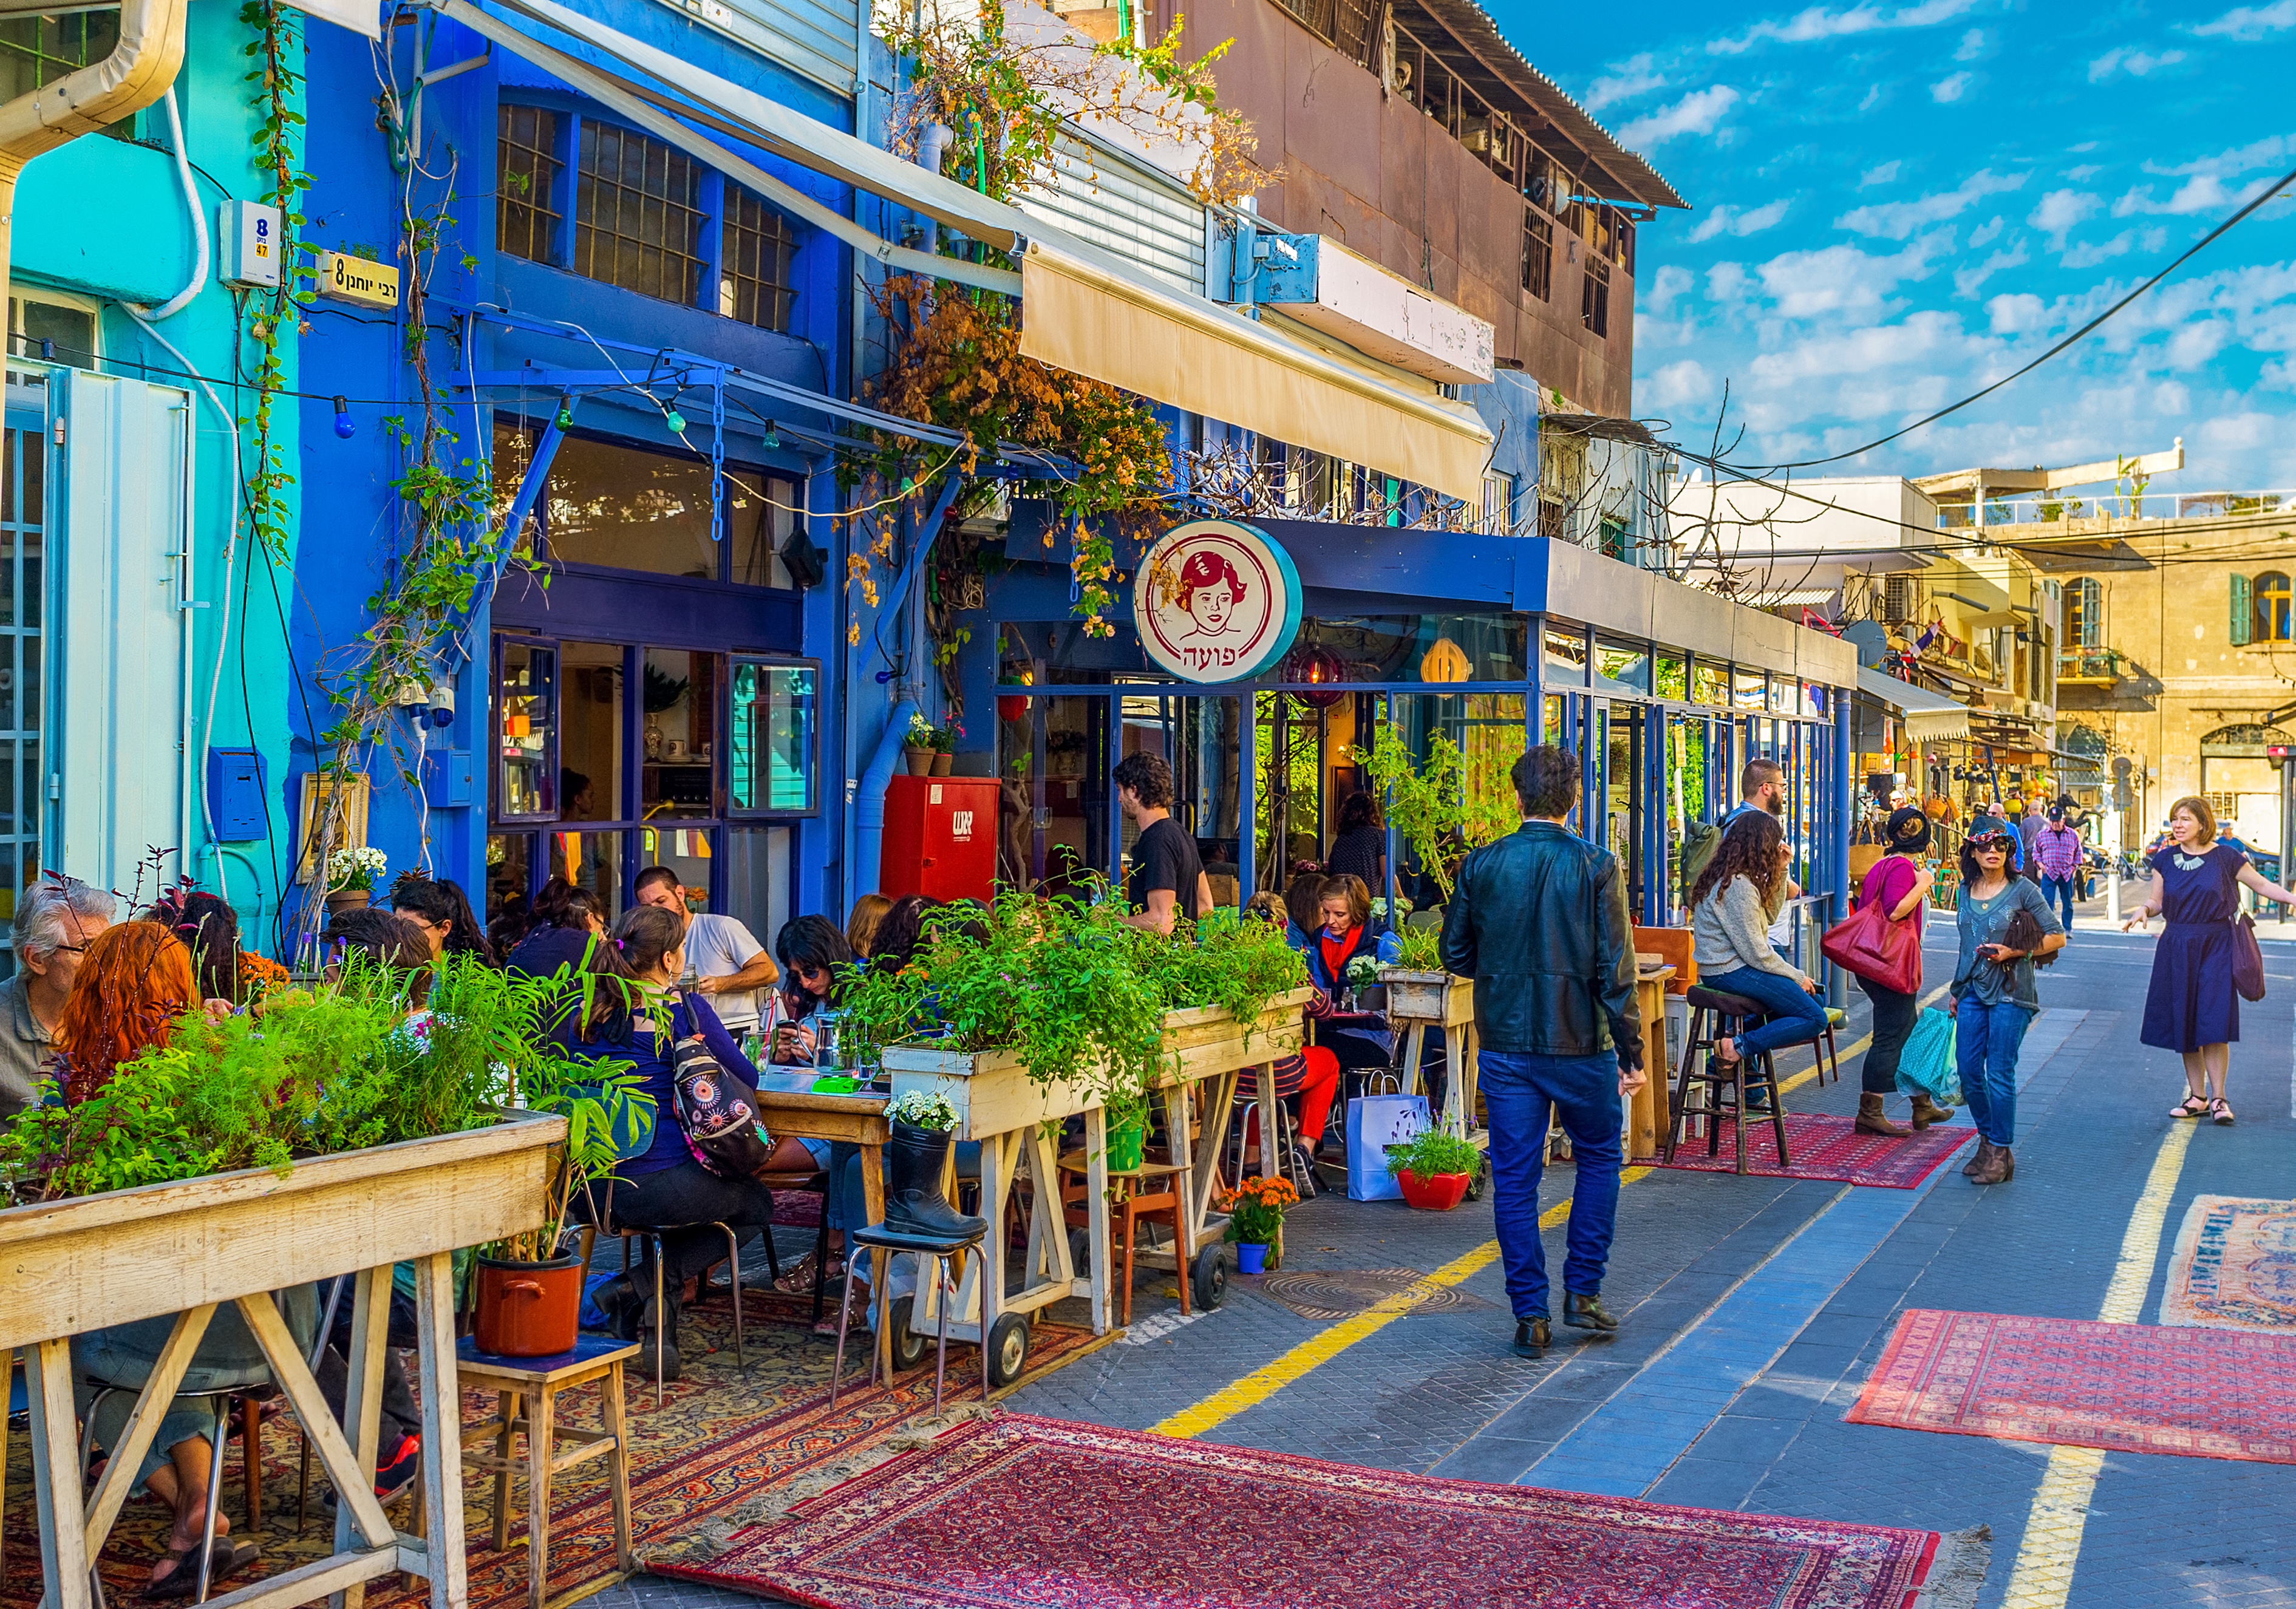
[2191, 1006]
[1993, 996]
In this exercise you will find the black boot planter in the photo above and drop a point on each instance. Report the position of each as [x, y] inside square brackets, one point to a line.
[914, 1201]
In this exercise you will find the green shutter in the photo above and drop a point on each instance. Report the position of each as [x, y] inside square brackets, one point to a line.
[2243, 613]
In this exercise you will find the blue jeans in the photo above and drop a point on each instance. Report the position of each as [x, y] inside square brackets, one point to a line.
[1518, 1090]
[1985, 1043]
[1790, 1015]
[2066, 889]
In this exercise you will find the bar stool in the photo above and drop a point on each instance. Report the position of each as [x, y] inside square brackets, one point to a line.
[1731, 1014]
[1828, 1059]
[948, 1253]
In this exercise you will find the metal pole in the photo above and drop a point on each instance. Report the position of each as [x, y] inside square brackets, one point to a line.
[1837, 845]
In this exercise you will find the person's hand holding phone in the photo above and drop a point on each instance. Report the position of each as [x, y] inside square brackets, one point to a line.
[793, 1042]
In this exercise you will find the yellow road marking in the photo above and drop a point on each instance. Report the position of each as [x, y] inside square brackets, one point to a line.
[2052, 1544]
[1325, 1344]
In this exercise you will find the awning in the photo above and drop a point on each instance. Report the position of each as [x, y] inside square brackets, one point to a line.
[1927, 715]
[1083, 309]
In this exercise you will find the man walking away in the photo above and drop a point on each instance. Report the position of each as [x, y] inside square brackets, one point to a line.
[1539, 922]
[2057, 847]
[2029, 835]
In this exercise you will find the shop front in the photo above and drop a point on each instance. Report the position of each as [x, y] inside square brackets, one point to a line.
[1489, 642]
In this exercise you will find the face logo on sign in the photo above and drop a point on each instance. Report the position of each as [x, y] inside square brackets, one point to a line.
[1216, 601]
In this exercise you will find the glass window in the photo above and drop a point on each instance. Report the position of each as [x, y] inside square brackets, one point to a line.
[1785, 696]
[1550, 724]
[590, 733]
[526, 729]
[754, 285]
[1594, 296]
[526, 183]
[758, 525]
[1673, 677]
[692, 852]
[773, 746]
[1709, 683]
[1566, 657]
[23, 462]
[1749, 690]
[594, 861]
[510, 873]
[680, 736]
[1623, 667]
[53, 332]
[2085, 613]
[2274, 600]
[624, 507]
[637, 214]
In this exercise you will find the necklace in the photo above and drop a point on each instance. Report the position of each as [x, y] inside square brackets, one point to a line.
[2189, 863]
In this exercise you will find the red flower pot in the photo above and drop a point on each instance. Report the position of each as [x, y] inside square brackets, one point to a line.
[1439, 1192]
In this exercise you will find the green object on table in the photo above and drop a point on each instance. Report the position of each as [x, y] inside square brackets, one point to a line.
[836, 1084]
[1125, 1141]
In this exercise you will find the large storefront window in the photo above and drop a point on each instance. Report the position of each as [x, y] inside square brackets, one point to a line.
[526, 731]
[771, 764]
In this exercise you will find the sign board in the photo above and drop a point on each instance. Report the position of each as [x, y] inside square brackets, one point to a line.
[1216, 601]
[360, 16]
[360, 280]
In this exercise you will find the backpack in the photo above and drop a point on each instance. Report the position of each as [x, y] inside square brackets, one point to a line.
[1697, 847]
[716, 1113]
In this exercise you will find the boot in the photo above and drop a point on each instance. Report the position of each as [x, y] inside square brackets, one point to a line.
[914, 1201]
[2008, 1161]
[1968, 1170]
[1587, 1313]
[623, 1301]
[1924, 1112]
[1532, 1337]
[1992, 1164]
[1870, 1120]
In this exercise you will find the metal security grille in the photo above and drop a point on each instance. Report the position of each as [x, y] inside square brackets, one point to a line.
[23, 509]
[1124, 207]
[526, 183]
[637, 214]
[1537, 252]
[754, 285]
[35, 51]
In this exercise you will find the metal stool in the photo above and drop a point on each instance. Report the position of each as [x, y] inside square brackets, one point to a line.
[219, 1400]
[652, 1233]
[1828, 1059]
[1731, 1014]
[948, 1253]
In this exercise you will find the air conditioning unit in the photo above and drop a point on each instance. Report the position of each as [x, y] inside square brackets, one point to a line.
[1897, 600]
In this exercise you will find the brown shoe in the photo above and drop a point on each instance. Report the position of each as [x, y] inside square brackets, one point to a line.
[1968, 1170]
[1925, 1113]
[1994, 1164]
[1870, 1120]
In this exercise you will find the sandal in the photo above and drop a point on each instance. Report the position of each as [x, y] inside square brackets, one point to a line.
[227, 1557]
[2192, 1105]
[2221, 1113]
[798, 1278]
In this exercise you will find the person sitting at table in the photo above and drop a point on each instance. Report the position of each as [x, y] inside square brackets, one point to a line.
[56, 918]
[813, 955]
[1307, 1079]
[1731, 905]
[221, 970]
[442, 911]
[1344, 930]
[867, 916]
[566, 919]
[638, 1014]
[901, 931]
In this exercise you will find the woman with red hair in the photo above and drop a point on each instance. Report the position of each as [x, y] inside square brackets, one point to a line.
[134, 980]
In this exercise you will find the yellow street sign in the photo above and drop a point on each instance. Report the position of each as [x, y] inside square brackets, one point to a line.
[343, 277]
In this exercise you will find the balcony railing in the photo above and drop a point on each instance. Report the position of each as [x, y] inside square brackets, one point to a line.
[2048, 508]
[2095, 667]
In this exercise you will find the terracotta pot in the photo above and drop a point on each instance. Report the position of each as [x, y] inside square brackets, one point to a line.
[348, 900]
[944, 765]
[1438, 1192]
[528, 1309]
[920, 761]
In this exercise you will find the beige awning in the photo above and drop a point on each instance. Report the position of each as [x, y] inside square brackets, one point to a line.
[1927, 715]
[1082, 309]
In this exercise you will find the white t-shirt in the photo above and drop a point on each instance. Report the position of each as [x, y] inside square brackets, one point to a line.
[718, 946]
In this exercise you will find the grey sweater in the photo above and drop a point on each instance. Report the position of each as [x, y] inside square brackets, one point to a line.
[1732, 929]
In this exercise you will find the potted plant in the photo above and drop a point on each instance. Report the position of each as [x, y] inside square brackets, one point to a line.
[925, 1124]
[918, 748]
[1255, 1209]
[944, 749]
[351, 877]
[1434, 1167]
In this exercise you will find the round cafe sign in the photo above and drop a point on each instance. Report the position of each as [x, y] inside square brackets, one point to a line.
[1216, 601]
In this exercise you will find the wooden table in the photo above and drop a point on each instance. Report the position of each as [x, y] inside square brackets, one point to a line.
[526, 1401]
[787, 1104]
[1648, 1115]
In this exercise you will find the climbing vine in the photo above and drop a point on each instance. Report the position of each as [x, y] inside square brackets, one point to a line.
[270, 316]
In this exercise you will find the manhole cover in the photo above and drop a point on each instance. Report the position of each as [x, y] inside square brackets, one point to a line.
[1343, 1293]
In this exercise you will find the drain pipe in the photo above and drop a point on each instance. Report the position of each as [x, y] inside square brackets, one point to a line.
[869, 810]
[136, 73]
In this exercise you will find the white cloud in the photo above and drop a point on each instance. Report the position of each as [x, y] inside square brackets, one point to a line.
[1968, 281]
[2197, 343]
[2252, 21]
[1988, 232]
[1920, 338]
[2202, 192]
[1886, 174]
[1672, 280]
[2242, 431]
[1972, 45]
[1816, 22]
[1696, 112]
[2083, 173]
[1730, 220]
[2059, 211]
[2136, 63]
[1873, 98]
[1727, 282]
[1845, 279]
[2087, 255]
[1686, 381]
[1632, 78]
[2016, 314]
[2268, 152]
[1895, 220]
[1947, 91]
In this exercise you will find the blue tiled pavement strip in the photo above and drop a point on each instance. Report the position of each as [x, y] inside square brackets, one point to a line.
[1752, 1311]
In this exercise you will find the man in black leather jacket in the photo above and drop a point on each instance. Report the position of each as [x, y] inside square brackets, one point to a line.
[1539, 922]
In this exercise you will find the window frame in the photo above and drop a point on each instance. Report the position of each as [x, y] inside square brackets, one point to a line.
[2273, 597]
[772, 663]
[1594, 295]
[1537, 254]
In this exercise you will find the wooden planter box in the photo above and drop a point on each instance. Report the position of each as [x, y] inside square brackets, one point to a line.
[1429, 997]
[1207, 1039]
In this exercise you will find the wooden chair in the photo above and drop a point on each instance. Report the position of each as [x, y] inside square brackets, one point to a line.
[1152, 1190]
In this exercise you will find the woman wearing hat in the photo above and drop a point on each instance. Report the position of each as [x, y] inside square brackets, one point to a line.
[1899, 883]
[2004, 923]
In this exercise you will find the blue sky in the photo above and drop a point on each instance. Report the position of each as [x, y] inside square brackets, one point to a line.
[1896, 203]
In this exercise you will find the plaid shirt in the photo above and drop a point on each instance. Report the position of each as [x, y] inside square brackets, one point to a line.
[2059, 851]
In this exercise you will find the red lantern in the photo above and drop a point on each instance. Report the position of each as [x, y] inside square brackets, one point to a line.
[1320, 669]
[1012, 706]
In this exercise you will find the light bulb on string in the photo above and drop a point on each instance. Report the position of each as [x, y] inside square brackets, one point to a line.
[675, 421]
[343, 425]
[773, 437]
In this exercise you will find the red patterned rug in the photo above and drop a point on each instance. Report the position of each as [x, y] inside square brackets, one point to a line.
[725, 1441]
[1024, 1513]
[1828, 1149]
[2077, 1383]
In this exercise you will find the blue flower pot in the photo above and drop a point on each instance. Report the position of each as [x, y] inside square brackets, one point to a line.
[1250, 1257]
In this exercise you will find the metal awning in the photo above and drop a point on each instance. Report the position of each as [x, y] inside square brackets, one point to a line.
[1927, 715]
[1087, 311]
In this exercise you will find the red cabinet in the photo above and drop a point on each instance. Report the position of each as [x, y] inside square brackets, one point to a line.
[940, 837]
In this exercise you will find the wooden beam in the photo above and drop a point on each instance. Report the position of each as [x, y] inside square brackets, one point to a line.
[126, 1461]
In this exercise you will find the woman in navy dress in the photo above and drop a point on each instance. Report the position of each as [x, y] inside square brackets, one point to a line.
[2192, 1007]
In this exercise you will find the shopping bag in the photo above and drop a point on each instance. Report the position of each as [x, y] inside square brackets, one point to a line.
[1375, 1122]
[1927, 1065]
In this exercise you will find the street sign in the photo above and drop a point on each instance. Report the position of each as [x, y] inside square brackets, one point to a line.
[1216, 601]
[359, 280]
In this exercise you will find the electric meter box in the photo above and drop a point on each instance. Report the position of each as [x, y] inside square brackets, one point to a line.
[247, 233]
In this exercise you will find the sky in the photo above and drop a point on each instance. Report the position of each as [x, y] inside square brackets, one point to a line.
[1896, 203]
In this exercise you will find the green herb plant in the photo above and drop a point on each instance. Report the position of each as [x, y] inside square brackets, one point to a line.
[1432, 1151]
[1419, 949]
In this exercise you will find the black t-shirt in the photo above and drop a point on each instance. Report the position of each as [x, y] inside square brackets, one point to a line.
[1163, 856]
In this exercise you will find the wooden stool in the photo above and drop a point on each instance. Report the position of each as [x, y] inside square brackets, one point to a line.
[1731, 1013]
[1829, 1059]
[1136, 1199]
[529, 1387]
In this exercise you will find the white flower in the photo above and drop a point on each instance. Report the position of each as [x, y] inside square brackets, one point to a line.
[927, 1109]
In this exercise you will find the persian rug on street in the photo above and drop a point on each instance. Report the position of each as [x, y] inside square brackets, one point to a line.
[2235, 1267]
[2080, 1383]
[1827, 1148]
[1026, 1513]
[722, 1437]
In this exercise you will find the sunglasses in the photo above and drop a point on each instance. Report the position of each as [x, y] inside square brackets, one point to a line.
[1991, 840]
